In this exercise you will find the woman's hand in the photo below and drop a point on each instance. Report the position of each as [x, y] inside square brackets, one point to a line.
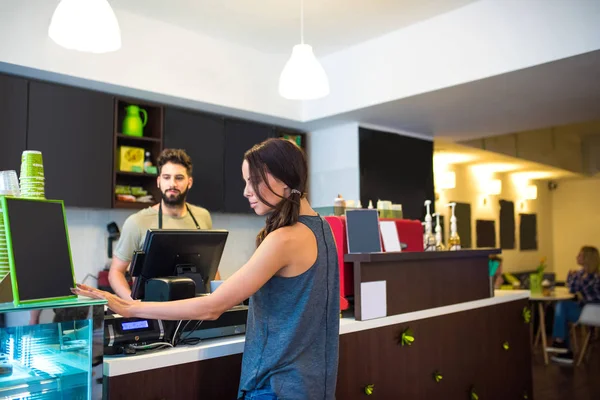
[115, 303]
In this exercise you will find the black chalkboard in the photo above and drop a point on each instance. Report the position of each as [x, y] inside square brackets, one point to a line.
[463, 224]
[362, 230]
[42, 263]
[485, 232]
[507, 225]
[528, 232]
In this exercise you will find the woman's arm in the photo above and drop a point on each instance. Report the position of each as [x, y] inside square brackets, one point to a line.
[267, 260]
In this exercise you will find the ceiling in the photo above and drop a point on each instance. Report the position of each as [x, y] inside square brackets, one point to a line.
[273, 26]
[558, 93]
[448, 153]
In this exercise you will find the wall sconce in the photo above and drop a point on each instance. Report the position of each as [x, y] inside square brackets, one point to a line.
[445, 180]
[492, 187]
[530, 192]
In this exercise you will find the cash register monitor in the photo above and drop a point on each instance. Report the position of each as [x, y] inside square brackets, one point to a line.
[192, 253]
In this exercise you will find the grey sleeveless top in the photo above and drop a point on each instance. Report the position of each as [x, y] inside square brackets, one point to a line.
[292, 333]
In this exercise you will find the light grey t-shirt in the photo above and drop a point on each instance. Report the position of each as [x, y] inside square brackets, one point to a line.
[136, 226]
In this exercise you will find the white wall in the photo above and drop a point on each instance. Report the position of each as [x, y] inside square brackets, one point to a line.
[468, 191]
[333, 156]
[88, 237]
[155, 57]
[482, 39]
[576, 220]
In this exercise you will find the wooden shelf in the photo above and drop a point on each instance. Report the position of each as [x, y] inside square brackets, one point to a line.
[137, 174]
[139, 138]
[132, 205]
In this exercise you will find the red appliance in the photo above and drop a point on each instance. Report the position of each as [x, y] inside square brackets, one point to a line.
[409, 231]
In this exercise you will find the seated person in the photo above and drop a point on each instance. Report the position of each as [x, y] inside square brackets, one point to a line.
[585, 285]
[498, 279]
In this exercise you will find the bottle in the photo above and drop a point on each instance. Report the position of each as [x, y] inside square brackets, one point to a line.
[439, 245]
[454, 240]
[339, 205]
[370, 205]
[147, 160]
[429, 238]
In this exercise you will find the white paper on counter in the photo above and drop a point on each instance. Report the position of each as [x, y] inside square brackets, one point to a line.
[389, 234]
[373, 300]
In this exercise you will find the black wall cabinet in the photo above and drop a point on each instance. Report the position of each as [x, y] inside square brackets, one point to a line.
[202, 136]
[396, 168]
[239, 137]
[13, 121]
[72, 128]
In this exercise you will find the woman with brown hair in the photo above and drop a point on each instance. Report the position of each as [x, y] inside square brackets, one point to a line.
[292, 333]
[584, 284]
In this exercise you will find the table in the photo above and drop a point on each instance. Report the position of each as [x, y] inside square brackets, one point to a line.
[559, 294]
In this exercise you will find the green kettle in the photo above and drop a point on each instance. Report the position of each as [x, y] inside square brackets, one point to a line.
[132, 123]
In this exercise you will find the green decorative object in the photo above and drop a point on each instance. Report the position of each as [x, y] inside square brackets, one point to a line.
[526, 315]
[505, 346]
[407, 337]
[473, 395]
[369, 389]
[437, 377]
[132, 123]
[535, 279]
[525, 396]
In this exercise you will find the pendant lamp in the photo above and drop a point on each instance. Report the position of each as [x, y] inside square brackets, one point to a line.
[85, 25]
[303, 77]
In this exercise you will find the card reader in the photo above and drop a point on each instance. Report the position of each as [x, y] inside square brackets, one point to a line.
[124, 335]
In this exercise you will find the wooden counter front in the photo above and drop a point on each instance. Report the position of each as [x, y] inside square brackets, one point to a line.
[422, 280]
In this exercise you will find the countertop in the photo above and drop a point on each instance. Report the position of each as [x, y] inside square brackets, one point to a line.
[221, 347]
[418, 255]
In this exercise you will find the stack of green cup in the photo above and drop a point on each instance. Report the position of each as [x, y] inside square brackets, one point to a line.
[3, 249]
[32, 175]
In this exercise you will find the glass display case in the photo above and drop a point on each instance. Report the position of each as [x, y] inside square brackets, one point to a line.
[52, 350]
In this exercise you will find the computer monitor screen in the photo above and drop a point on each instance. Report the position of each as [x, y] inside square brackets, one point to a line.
[37, 239]
[173, 252]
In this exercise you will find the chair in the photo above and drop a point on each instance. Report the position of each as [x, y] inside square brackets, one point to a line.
[590, 317]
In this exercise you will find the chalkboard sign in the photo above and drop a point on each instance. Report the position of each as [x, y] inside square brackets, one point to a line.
[528, 232]
[486, 233]
[507, 225]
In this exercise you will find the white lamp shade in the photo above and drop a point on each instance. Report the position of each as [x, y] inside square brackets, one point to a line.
[493, 187]
[303, 77]
[531, 192]
[445, 180]
[85, 25]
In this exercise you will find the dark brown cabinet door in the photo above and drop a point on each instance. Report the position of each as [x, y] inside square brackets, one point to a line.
[13, 121]
[73, 128]
[202, 136]
[465, 348]
[240, 136]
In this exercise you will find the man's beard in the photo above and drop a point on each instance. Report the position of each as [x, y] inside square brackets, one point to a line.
[174, 201]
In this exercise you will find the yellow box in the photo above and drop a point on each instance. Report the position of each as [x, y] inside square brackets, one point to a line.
[131, 159]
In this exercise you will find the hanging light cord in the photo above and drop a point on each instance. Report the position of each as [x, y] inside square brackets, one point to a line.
[301, 21]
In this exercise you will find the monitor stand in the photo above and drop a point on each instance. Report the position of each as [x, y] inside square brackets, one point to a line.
[191, 271]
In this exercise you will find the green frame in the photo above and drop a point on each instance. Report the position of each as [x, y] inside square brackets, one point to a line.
[11, 257]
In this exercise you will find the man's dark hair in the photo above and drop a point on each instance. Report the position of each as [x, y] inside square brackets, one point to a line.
[175, 156]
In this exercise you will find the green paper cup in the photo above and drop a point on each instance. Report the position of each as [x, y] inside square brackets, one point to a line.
[32, 156]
